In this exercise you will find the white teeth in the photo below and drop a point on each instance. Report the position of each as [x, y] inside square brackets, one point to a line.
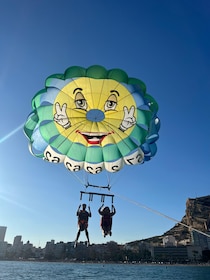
[94, 134]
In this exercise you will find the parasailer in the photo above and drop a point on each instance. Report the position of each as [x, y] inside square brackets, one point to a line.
[83, 217]
[106, 219]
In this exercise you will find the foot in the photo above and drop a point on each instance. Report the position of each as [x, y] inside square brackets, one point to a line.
[88, 243]
[75, 244]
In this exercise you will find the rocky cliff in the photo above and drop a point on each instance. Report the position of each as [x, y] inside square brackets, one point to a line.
[197, 216]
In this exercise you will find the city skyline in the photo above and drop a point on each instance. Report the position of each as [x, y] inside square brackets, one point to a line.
[167, 249]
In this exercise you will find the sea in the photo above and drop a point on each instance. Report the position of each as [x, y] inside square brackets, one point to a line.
[23, 270]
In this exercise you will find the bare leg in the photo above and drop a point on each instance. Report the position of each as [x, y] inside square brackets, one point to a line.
[87, 235]
[78, 234]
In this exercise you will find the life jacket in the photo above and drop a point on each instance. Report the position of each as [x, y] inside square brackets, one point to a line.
[83, 216]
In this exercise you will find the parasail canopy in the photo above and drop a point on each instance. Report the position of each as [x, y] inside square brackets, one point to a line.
[93, 119]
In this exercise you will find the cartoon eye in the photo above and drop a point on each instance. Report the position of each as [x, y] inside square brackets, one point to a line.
[111, 103]
[80, 101]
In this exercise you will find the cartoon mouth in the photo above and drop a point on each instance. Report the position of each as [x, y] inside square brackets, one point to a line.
[94, 138]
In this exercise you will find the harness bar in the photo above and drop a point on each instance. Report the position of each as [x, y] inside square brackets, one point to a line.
[91, 194]
[95, 186]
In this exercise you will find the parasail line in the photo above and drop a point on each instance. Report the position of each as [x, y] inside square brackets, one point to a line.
[161, 214]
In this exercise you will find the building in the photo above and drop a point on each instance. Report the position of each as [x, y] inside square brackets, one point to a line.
[3, 249]
[17, 245]
[201, 240]
[169, 253]
[169, 241]
[17, 240]
[59, 250]
[50, 248]
[2, 233]
[208, 240]
[194, 253]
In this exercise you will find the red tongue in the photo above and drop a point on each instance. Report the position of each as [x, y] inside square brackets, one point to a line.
[95, 140]
[92, 141]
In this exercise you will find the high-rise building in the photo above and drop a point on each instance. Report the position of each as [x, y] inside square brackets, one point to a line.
[2, 233]
[17, 240]
[17, 244]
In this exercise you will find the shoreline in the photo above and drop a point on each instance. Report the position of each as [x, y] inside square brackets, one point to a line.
[107, 263]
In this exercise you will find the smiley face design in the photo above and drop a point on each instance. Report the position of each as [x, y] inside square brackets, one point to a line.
[93, 119]
[95, 112]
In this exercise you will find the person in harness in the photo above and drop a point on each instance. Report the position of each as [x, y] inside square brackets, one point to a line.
[83, 217]
[106, 219]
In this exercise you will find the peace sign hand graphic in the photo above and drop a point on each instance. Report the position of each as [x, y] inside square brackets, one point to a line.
[60, 116]
[129, 119]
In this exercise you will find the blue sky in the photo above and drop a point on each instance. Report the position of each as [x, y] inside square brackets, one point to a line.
[164, 43]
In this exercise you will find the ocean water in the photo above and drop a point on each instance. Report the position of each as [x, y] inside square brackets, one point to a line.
[10, 270]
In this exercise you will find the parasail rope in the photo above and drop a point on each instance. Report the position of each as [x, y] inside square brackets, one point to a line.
[76, 177]
[161, 214]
